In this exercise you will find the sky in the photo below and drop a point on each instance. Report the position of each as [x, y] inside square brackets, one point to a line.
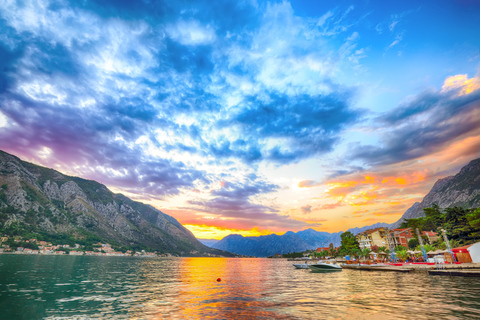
[246, 117]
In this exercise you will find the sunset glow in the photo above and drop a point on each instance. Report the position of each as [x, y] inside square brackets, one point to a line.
[246, 117]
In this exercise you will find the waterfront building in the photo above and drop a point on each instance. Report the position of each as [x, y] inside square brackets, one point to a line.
[400, 237]
[462, 254]
[372, 237]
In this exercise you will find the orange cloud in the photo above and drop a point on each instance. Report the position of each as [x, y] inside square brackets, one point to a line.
[330, 206]
[462, 83]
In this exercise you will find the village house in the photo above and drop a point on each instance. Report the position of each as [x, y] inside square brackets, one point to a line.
[401, 237]
[372, 237]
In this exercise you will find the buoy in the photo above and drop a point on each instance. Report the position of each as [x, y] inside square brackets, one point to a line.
[218, 280]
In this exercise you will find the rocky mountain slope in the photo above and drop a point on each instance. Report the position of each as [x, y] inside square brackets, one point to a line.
[38, 199]
[462, 190]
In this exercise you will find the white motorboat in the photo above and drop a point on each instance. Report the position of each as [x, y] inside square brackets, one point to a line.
[322, 266]
[301, 265]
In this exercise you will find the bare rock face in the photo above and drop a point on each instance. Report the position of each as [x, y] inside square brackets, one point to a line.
[70, 191]
[45, 199]
[52, 191]
[462, 190]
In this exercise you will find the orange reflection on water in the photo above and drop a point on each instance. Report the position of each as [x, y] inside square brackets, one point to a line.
[239, 294]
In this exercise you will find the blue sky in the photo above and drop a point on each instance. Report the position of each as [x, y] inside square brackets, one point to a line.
[246, 116]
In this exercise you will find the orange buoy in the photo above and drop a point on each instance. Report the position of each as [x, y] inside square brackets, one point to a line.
[218, 280]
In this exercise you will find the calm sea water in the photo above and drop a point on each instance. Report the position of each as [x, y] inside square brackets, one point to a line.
[76, 287]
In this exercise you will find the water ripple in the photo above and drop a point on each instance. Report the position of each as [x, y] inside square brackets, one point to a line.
[133, 288]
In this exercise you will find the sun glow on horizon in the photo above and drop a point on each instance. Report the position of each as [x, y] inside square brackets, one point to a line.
[211, 232]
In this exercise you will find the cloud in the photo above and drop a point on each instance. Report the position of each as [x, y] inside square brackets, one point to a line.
[395, 42]
[308, 184]
[424, 124]
[234, 201]
[191, 33]
[331, 206]
[306, 209]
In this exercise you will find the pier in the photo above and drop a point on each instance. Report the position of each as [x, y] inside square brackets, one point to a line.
[463, 270]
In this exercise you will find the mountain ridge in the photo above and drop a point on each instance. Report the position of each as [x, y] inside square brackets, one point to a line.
[39, 199]
[462, 189]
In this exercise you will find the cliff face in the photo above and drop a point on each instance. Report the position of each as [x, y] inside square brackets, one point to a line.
[462, 190]
[43, 199]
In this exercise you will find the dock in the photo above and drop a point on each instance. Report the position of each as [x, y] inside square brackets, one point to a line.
[453, 272]
[377, 268]
[461, 270]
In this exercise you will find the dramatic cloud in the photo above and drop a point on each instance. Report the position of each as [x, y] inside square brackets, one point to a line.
[424, 124]
[242, 114]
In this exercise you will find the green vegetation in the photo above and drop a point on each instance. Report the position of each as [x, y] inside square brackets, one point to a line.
[293, 255]
[95, 191]
[413, 243]
[43, 174]
[348, 242]
[462, 225]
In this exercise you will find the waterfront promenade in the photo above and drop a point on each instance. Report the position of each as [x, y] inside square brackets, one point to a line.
[462, 269]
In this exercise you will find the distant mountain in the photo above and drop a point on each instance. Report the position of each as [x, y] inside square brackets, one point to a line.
[208, 242]
[462, 190]
[289, 242]
[35, 199]
[318, 239]
[373, 226]
[262, 246]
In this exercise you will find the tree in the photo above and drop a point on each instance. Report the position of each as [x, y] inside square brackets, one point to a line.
[412, 243]
[387, 251]
[429, 247]
[402, 254]
[366, 252]
[375, 248]
[433, 218]
[348, 241]
[332, 252]
[474, 218]
[458, 226]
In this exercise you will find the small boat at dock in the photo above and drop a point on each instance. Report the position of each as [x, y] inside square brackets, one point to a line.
[322, 266]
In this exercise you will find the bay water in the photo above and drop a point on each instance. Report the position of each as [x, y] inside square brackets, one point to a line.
[85, 287]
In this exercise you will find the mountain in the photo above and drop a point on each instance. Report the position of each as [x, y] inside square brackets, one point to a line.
[262, 246]
[35, 199]
[208, 242]
[357, 230]
[319, 239]
[462, 190]
[265, 246]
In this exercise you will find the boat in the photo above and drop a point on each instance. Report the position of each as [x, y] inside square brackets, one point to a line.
[301, 265]
[322, 266]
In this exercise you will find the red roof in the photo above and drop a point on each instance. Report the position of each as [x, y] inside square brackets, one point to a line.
[461, 249]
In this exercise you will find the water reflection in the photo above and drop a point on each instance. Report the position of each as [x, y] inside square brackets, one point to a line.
[134, 288]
